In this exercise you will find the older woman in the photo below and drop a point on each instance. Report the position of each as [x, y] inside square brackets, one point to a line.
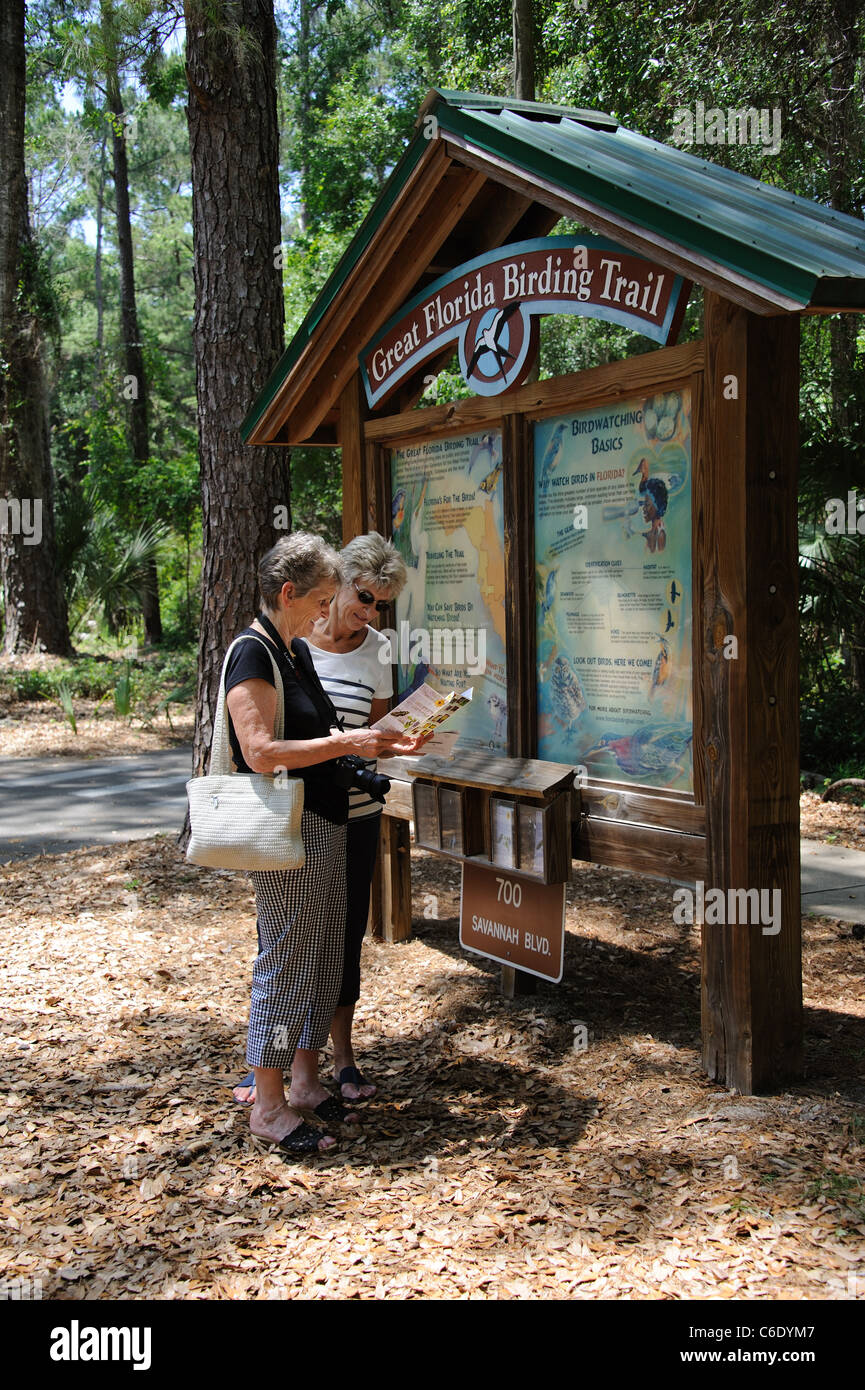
[353, 662]
[301, 913]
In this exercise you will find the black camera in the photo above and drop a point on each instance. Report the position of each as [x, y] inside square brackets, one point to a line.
[351, 771]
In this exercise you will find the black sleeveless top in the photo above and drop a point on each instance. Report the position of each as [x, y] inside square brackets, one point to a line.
[308, 714]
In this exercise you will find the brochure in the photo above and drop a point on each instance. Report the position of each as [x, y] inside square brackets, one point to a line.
[423, 711]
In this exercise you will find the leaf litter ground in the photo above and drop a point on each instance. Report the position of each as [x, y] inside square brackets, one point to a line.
[496, 1162]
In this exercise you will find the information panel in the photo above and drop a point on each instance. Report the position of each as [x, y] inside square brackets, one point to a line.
[448, 526]
[613, 586]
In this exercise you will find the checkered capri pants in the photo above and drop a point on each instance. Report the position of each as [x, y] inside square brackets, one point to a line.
[301, 932]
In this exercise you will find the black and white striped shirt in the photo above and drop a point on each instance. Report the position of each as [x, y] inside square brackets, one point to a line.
[353, 680]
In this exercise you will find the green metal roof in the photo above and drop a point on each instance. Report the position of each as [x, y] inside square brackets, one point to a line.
[801, 253]
[771, 236]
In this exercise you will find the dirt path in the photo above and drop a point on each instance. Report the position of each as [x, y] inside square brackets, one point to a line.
[497, 1161]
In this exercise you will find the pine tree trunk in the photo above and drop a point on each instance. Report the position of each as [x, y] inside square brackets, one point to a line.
[845, 155]
[524, 50]
[135, 385]
[238, 330]
[35, 605]
[304, 111]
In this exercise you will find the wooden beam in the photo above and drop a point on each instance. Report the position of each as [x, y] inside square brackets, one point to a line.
[581, 390]
[746, 540]
[642, 849]
[518, 480]
[373, 296]
[352, 411]
[618, 804]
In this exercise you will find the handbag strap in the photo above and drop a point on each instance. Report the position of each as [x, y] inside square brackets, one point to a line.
[221, 757]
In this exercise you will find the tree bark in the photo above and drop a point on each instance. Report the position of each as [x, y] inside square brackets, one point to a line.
[524, 50]
[238, 326]
[135, 384]
[844, 140]
[35, 604]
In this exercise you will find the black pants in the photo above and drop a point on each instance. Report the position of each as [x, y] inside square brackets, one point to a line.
[362, 844]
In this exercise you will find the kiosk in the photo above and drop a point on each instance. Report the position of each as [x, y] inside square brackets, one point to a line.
[621, 541]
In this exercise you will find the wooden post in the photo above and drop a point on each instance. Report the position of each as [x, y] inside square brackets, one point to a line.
[745, 546]
[352, 410]
[518, 481]
[391, 900]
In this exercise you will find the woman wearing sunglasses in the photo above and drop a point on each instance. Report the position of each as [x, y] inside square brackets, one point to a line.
[353, 663]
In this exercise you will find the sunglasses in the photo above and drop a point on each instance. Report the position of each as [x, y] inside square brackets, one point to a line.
[369, 600]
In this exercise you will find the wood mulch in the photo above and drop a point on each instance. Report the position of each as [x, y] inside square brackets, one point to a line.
[833, 822]
[38, 729]
[498, 1160]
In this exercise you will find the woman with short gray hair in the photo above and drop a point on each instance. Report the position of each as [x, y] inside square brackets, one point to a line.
[376, 561]
[353, 663]
[301, 912]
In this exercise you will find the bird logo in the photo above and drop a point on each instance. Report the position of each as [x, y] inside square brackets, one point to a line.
[493, 337]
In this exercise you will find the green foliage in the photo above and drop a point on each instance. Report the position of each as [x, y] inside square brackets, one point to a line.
[832, 731]
[123, 693]
[64, 695]
[316, 501]
[152, 679]
[180, 590]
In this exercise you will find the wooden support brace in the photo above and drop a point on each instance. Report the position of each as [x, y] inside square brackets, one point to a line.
[390, 908]
[745, 545]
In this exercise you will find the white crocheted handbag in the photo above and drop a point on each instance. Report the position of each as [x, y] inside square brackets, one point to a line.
[243, 820]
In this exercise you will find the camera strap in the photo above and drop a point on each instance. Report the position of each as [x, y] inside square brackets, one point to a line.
[300, 664]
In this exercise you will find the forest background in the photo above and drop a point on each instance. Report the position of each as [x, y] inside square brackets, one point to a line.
[102, 294]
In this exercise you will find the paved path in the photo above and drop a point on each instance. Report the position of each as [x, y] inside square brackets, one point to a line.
[51, 804]
[54, 804]
[833, 881]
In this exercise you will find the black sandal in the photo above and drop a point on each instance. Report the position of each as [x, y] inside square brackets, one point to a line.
[296, 1144]
[332, 1112]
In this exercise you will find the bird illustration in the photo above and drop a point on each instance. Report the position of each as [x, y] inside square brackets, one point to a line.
[670, 623]
[553, 453]
[675, 592]
[662, 668]
[414, 592]
[568, 699]
[549, 594]
[654, 750]
[485, 447]
[488, 340]
[499, 710]
[398, 508]
[489, 482]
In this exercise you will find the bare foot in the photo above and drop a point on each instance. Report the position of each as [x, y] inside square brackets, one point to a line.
[244, 1095]
[352, 1086]
[279, 1123]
